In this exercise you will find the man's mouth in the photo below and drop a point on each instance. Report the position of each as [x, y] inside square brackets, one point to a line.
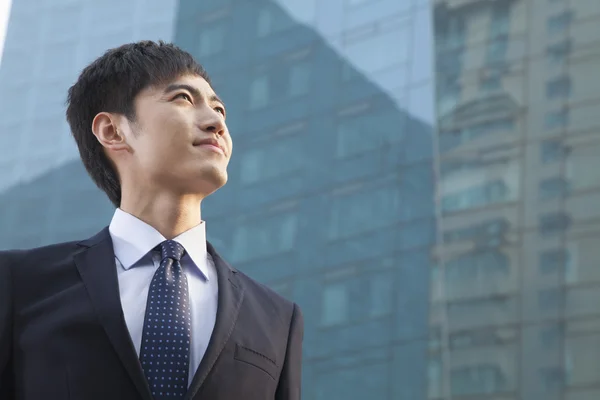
[210, 144]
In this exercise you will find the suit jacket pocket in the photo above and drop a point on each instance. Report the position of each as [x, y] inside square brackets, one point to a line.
[256, 359]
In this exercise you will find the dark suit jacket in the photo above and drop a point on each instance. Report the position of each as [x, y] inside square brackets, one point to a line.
[63, 334]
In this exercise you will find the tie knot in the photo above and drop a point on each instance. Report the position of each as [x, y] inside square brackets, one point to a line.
[171, 249]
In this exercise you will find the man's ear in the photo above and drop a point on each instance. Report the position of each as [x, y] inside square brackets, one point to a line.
[105, 127]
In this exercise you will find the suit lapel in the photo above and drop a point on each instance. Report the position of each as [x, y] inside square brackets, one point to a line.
[230, 298]
[96, 265]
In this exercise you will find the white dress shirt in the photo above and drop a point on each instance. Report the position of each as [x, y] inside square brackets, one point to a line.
[133, 241]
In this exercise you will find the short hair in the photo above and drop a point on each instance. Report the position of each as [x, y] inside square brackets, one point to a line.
[110, 84]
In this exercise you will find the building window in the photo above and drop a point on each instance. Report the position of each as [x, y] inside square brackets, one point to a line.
[277, 159]
[448, 97]
[491, 84]
[485, 337]
[552, 223]
[299, 79]
[212, 41]
[477, 196]
[583, 166]
[551, 151]
[558, 53]
[550, 299]
[350, 139]
[449, 33]
[489, 232]
[272, 235]
[364, 211]
[500, 23]
[482, 309]
[496, 51]
[552, 378]
[552, 335]
[557, 119]
[477, 379]
[384, 127]
[560, 23]
[335, 307]
[498, 34]
[450, 139]
[434, 377]
[477, 265]
[553, 261]
[259, 92]
[450, 65]
[382, 289]
[552, 188]
[476, 272]
[559, 87]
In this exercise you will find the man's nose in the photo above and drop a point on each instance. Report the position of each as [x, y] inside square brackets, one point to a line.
[212, 122]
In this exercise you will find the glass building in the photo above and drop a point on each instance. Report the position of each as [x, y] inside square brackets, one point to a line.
[419, 175]
[515, 281]
[330, 197]
[47, 44]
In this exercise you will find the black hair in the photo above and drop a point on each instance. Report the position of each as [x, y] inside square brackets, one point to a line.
[110, 84]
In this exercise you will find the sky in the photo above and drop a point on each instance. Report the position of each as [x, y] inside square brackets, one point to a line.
[4, 12]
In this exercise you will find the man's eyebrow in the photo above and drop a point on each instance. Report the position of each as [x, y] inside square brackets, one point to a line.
[216, 98]
[195, 92]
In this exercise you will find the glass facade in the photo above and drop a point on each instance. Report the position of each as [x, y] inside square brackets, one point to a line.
[419, 175]
[42, 182]
[330, 199]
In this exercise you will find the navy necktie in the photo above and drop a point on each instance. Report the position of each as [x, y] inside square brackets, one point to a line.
[165, 348]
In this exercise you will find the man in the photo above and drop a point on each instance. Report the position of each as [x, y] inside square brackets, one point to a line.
[146, 308]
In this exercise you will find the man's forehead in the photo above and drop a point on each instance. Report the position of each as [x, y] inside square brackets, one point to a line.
[195, 81]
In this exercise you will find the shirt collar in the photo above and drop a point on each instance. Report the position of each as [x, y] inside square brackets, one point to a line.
[133, 239]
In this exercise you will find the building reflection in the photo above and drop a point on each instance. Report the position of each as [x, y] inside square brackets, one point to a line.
[514, 271]
[330, 197]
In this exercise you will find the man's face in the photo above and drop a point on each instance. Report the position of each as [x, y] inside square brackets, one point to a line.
[179, 138]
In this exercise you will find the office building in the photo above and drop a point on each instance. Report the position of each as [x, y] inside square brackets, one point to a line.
[515, 279]
[47, 44]
[330, 197]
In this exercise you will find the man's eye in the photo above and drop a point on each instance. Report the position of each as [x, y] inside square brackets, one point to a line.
[183, 96]
[221, 110]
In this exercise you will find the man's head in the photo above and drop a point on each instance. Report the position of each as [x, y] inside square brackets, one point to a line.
[146, 113]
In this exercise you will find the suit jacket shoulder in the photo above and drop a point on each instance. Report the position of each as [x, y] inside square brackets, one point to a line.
[267, 297]
[33, 270]
[31, 258]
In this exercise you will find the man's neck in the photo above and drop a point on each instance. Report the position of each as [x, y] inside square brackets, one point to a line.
[169, 215]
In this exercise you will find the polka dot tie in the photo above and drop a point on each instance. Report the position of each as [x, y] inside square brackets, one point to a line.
[165, 348]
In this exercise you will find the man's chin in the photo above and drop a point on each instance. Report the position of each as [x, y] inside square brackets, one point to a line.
[209, 183]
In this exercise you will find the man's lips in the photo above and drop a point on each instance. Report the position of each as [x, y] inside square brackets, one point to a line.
[211, 144]
[212, 147]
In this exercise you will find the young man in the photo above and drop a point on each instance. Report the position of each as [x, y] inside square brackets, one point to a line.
[145, 309]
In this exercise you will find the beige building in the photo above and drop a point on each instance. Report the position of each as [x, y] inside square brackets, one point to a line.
[515, 287]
